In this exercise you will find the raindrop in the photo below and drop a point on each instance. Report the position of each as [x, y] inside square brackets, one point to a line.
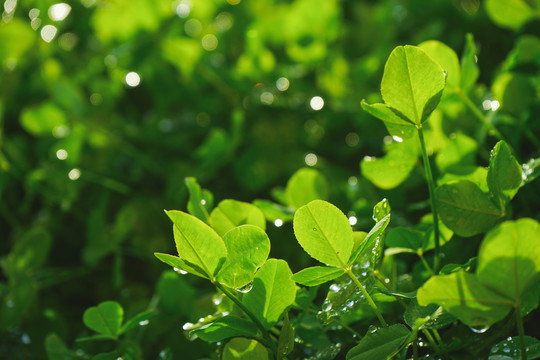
[314, 229]
[479, 329]
[246, 288]
[187, 326]
[144, 322]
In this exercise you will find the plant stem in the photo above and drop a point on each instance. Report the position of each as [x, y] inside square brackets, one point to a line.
[426, 265]
[366, 295]
[265, 333]
[521, 332]
[478, 114]
[431, 188]
[431, 341]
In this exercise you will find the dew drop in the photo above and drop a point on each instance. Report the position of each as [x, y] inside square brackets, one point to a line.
[479, 329]
[314, 229]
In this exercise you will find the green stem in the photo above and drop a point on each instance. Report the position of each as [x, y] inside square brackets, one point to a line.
[431, 341]
[440, 342]
[478, 114]
[266, 335]
[426, 265]
[521, 332]
[366, 295]
[431, 188]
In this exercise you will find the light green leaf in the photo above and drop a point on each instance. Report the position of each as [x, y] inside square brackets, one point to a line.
[274, 211]
[510, 14]
[447, 58]
[476, 174]
[504, 173]
[41, 120]
[381, 210]
[317, 275]
[384, 113]
[460, 151]
[197, 244]
[450, 268]
[180, 264]
[304, 186]
[461, 294]
[465, 209]
[379, 344]
[510, 349]
[469, 66]
[106, 318]
[391, 170]
[324, 232]
[232, 213]
[273, 291]
[244, 349]
[369, 253]
[412, 83]
[199, 201]
[224, 328]
[509, 257]
[248, 247]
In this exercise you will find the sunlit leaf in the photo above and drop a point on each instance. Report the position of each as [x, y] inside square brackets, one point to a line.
[324, 232]
[447, 58]
[510, 14]
[244, 349]
[317, 275]
[412, 83]
[197, 244]
[304, 186]
[273, 291]
[469, 66]
[504, 173]
[232, 213]
[248, 247]
[461, 294]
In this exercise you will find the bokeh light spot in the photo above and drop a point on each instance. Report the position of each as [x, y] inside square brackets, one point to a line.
[282, 84]
[133, 79]
[48, 32]
[311, 159]
[316, 103]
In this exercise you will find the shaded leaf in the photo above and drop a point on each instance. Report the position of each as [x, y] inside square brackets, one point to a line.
[304, 186]
[379, 344]
[465, 209]
[199, 202]
[224, 328]
[180, 264]
[106, 318]
[504, 173]
[432, 316]
[286, 337]
[510, 349]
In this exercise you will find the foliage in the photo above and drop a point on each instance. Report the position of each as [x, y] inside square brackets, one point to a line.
[256, 120]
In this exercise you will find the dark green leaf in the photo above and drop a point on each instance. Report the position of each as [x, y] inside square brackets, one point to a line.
[379, 344]
[244, 349]
[432, 316]
[106, 318]
[504, 173]
[510, 349]
[224, 328]
[198, 203]
[286, 337]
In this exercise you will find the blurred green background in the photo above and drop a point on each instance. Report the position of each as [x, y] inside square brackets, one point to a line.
[106, 106]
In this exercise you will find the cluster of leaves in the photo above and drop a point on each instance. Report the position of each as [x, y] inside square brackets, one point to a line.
[108, 107]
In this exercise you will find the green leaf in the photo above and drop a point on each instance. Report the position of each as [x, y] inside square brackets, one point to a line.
[43, 119]
[286, 337]
[447, 58]
[476, 174]
[379, 344]
[56, 349]
[510, 14]
[244, 349]
[28, 254]
[450, 268]
[224, 328]
[465, 209]
[106, 318]
[324, 232]
[510, 349]
[504, 173]
[138, 320]
[273, 291]
[464, 296]
[199, 201]
[509, 257]
[180, 264]
[381, 210]
[370, 251]
[273, 211]
[469, 66]
[197, 244]
[304, 186]
[432, 316]
[248, 247]
[412, 83]
[531, 170]
[384, 113]
[402, 238]
[460, 151]
[317, 275]
[393, 169]
[232, 213]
